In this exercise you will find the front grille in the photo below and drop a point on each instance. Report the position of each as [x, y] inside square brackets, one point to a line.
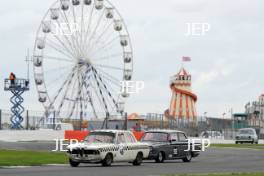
[82, 152]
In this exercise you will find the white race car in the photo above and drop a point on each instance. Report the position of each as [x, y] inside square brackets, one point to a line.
[106, 147]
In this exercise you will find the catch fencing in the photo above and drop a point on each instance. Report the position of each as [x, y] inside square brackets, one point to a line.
[217, 128]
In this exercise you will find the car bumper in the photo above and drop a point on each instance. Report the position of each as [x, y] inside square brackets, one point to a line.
[86, 158]
[195, 154]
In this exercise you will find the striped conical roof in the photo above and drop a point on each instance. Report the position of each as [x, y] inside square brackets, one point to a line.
[183, 72]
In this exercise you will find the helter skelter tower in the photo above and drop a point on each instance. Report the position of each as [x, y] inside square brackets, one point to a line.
[182, 105]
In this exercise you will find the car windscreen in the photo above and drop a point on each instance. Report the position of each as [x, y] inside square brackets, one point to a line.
[155, 137]
[246, 132]
[100, 137]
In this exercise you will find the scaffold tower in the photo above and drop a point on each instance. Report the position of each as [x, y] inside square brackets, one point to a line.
[17, 88]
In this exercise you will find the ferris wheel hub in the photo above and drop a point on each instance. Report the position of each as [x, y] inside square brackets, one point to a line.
[84, 61]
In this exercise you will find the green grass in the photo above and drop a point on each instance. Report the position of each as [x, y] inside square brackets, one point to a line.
[30, 158]
[221, 174]
[250, 146]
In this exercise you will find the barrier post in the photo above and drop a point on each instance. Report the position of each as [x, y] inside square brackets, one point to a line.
[81, 120]
[53, 121]
[126, 122]
[27, 120]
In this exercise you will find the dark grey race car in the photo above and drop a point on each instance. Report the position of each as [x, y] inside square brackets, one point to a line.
[169, 145]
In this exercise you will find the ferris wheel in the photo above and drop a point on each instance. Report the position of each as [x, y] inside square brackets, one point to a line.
[82, 54]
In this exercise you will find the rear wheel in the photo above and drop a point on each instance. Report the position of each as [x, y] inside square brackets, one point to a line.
[108, 160]
[160, 158]
[73, 163]
[138, 160]
[188, 157]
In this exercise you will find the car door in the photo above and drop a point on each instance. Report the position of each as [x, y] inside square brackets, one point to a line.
[131, 145]
[122, 153]
[174, 146]
[183, 144]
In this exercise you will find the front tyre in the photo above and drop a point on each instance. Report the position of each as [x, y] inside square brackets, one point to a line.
[187, 158]
[160, 158]
[138, 160]
[108, 160]
[73, 163]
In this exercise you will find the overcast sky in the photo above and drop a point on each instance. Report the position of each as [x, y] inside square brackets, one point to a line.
[227, 62]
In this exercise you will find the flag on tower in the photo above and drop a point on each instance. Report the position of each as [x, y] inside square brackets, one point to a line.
[186, 59]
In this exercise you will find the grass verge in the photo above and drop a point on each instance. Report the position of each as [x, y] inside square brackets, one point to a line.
[250, 146]
[30, 158]
[221, 174]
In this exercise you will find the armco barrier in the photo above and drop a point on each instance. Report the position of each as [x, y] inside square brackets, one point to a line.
[80, 135]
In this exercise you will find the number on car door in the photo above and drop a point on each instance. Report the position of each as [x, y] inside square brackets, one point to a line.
[174, 146]
[122, 153]
[183, 144]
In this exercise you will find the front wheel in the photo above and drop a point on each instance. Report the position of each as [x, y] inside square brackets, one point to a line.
[138, 160]
[73, 163]
[107, 161]
[187, 158]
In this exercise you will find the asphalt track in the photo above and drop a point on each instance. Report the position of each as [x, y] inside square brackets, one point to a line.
[212, 160]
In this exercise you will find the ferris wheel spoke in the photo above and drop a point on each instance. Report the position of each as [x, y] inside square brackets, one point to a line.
[82, 25]
[70, 50]
[77, 36]
[88, 27]
[100, 103]
[72, 37]
[100, 36]
[106, 89]
[108, 44]
[87, 92]
[101, 93]
[71, 99]
[81, 98]
[55, 69]
[95, 29]
[67, 90]
[115, 55]
[58, 49]
[109, 67]
[70, 77]
[58, 58]
[109, 83]
[75, 100]
[110, 77]
[101, 76]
